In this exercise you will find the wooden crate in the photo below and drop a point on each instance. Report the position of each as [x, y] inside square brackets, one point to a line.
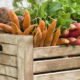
[20, 61]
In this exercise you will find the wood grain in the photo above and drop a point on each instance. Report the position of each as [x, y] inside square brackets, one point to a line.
[9, 49]
[57, 64]
[6, 78]
[8, 38]
[55, 51]
[25, 51]
[8, 60]
[29, 59]
[9, 71]
[66, 75]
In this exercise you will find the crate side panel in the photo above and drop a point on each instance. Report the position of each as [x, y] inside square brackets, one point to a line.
[6, 78]
[54, 51]
[29, 59]
[24, 51]
[9, 71]
[8, 38]
[55, 65]
[66, 75]
[8, 49]
[8, 60]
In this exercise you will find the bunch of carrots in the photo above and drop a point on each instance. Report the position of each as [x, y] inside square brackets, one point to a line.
[41, 35]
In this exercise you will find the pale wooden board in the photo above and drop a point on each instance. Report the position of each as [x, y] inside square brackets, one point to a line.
[8, 60]
[6, 78]
[9, 49]
[29, 59]
[8, 38]
[57, 64]
[9, 71]
[25, 71]
[54, 51]
[66, 75]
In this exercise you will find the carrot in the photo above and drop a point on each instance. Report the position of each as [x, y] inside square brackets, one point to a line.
[6, 28]
[33, 33]
[42, 25]
[37, 37]
[56, 36]
[43, 38]
[15, 29]
[28, 30]
[26, 22]
[49, 34]
[14, 18]
[2, 31]
[62, 41]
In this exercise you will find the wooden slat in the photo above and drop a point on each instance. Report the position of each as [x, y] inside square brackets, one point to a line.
[57, 64]
[25, 58]
[6, 78]
[9, 49]
[29, 59]
[66, 75]
[8, 38]
[9, 71]
[54, 51]
[8, 60]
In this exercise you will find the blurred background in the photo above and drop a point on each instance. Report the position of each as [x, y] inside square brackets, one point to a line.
[9, 3]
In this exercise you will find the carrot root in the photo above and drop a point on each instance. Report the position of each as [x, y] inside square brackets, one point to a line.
[48, 39]
[56, 37]
[26, 22]
[14, 18]
[43, 38]
[37, 37]
[15, 29]
[28, 30]
[6, 28]
[62, 41]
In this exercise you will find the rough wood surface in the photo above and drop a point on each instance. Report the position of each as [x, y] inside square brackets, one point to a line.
[9, 71]
[24, 66]
[29, 59]
[66, 75]
[8, 60]
[6, 78]
[9, 49]
[57, 64]
[54, 51]
[8, 38]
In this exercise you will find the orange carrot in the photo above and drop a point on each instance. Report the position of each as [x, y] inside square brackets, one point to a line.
[56, 36]
[2, 31]
[28, 30]
[0, 28]
[6, 28]
[43, 38]
[42, 25]
[62, 41]
[15, 29]
[14, 18]
[48, 39]
[26, 22]
[37, 37]
[33, 33]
